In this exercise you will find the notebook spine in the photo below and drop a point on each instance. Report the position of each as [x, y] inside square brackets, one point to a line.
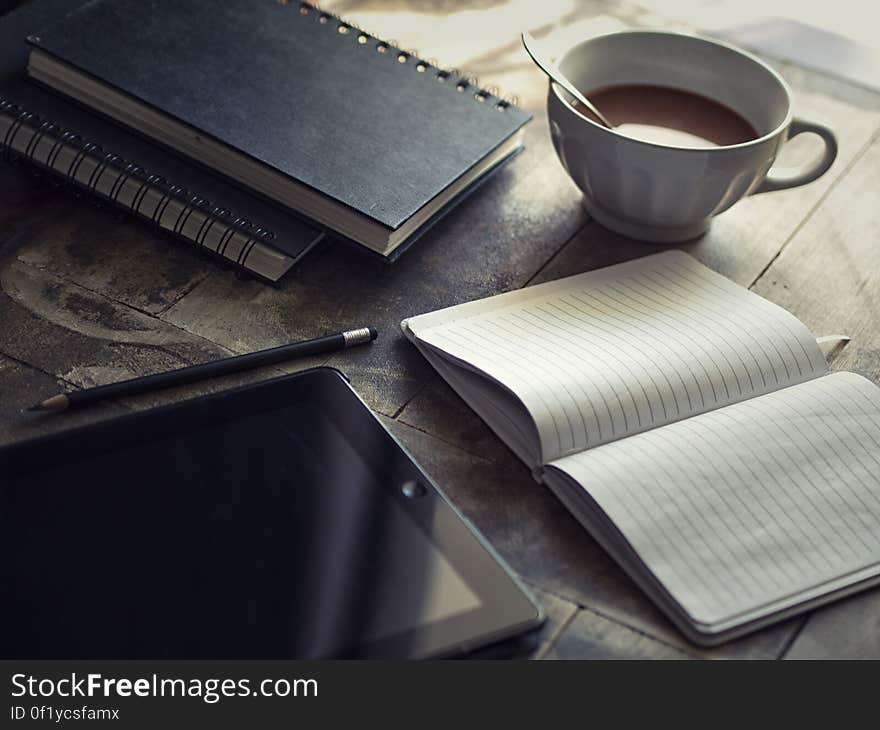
[87, 167]
[462, 81]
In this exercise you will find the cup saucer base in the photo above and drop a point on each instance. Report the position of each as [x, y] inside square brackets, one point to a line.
[644, 232]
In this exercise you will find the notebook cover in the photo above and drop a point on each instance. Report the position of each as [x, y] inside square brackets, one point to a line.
[294, 93]
[292, 235]
[444, 211]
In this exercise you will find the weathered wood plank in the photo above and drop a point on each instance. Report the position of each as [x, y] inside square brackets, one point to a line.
[829, 277]
[849, 629]
[832, 87]
[82, 337]
[439, 410]
[559, 613]
[20, 387]
[114, 257]
[533, 644]
[592, 636]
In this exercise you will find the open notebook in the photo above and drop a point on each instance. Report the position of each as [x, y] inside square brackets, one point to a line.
[690, 425]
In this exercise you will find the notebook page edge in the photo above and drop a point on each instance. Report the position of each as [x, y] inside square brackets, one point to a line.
[703, 634]
[483, 404]
[626, 348]
[806, 336]
[418, 328]
[821, 590]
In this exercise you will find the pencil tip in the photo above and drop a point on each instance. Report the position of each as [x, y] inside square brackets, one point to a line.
[55, 403]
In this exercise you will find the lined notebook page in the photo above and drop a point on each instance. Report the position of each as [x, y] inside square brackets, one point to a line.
[624, 349]
[754, 504]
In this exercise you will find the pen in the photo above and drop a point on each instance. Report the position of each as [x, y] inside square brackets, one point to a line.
[192, 373]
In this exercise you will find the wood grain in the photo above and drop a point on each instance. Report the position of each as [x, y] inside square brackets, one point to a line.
[849, 629]
[829, 277]
[559, 613]
[592, 636]
[20, 387]
[829, 274]
[128, 263]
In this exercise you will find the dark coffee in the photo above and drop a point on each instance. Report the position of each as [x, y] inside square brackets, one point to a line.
[669, 116]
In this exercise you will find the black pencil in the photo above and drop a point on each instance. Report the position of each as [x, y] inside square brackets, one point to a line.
[190, 374]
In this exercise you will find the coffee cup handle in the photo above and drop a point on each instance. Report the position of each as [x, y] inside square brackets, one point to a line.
[817, 169]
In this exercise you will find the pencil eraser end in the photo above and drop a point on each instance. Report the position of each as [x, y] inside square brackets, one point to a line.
[374, 333]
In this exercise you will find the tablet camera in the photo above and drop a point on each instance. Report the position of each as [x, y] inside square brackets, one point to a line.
[413, 489]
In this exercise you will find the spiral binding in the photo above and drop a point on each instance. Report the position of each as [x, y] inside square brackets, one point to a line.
[109, 163]
[462, 82]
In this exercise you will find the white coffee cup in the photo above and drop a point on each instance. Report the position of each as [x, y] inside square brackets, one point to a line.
[664, 193]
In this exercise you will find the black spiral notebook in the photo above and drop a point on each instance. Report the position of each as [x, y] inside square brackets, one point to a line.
[295, 104]
[110, 164]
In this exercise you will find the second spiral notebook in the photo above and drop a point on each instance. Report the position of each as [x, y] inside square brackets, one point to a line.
[293, 103]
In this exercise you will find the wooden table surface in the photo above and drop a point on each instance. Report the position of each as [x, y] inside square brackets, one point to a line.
[87, 298]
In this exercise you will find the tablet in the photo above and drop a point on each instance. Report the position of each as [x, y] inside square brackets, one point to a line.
[273, 521]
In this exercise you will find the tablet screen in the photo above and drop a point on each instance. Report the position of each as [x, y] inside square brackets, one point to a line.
[261, 536]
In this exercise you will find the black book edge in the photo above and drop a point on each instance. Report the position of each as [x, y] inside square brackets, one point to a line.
[191, 202]
[392, 257]
[453, 203]
[455, 77]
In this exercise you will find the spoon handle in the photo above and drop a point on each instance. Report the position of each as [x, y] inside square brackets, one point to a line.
[555, 74]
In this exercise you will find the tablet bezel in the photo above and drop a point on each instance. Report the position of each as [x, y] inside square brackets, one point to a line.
[505, 609]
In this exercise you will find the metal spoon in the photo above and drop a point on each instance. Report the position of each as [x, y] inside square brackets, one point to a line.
[555, 74]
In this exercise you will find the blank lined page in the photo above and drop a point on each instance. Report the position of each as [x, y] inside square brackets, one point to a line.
[754, 506]
[624, 349]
